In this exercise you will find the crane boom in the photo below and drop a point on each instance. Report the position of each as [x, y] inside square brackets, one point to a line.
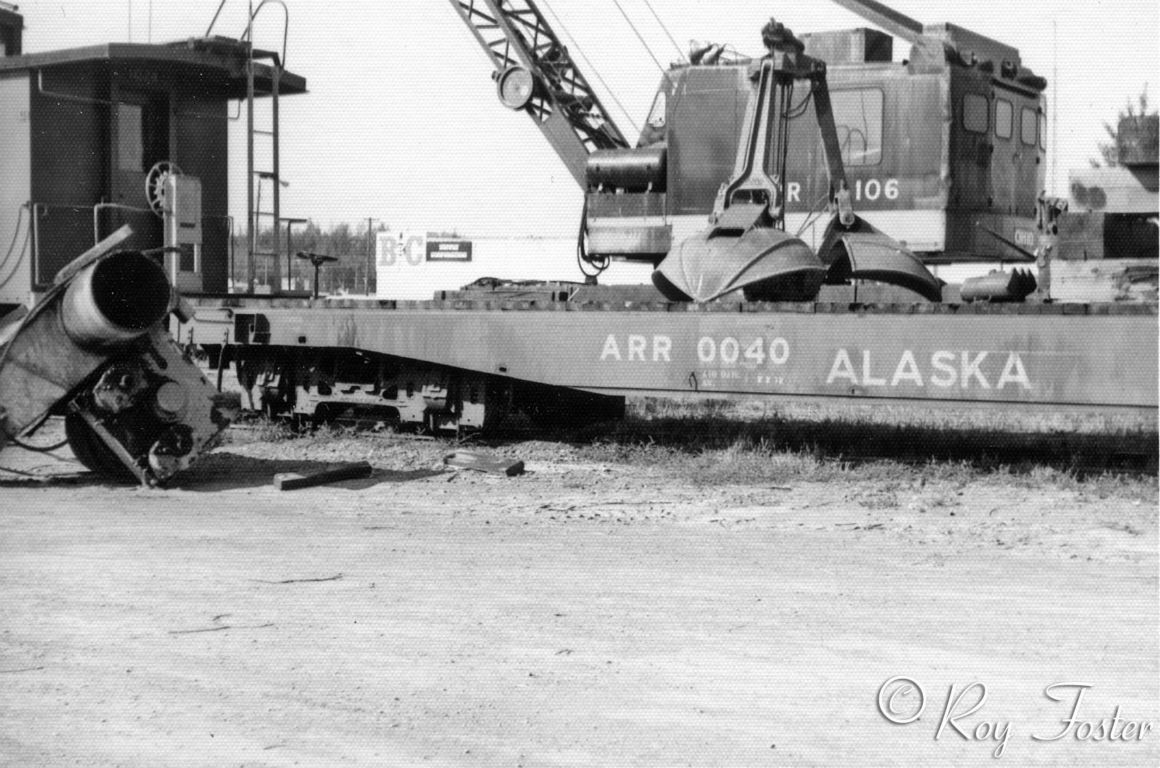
[535, 74]
[890, 20]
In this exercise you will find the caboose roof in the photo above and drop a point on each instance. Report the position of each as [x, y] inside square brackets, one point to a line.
[223, 58]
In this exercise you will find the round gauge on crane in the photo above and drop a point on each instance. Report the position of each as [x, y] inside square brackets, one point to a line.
[516, 86]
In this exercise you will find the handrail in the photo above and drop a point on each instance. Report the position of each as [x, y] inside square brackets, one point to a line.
[36, 244]
[118, 206]
[23, 246]
[213, 21]
[249, 33]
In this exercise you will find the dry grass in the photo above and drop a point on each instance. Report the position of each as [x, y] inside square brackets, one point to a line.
[714, 441]
[718, 441]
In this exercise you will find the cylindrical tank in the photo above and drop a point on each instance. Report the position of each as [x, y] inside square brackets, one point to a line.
[637, 170]
[1015, 285]
[115, 300]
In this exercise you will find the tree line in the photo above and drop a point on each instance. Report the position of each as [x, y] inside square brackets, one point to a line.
[354, 247]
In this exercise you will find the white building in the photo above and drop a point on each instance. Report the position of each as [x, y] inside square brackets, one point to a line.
[413, 266]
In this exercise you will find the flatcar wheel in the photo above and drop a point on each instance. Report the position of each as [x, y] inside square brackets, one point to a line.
[93, 453]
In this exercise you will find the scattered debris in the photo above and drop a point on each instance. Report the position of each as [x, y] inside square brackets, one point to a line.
[335, 577]
[195, 631]
[401, 436]
[219, 627]
[22, 669]
[483, 463]
[1131, 530]
[26, 478]
[291, 481]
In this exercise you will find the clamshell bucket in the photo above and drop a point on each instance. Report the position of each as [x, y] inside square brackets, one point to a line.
[861, 252]
[764, 262]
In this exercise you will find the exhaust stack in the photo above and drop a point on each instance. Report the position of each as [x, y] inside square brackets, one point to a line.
[115, 300]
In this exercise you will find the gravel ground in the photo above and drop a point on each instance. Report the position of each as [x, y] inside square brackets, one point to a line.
[592, 611]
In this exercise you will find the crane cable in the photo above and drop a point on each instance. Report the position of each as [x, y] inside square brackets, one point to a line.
[672, 40]
[639, 37]
[591, 66]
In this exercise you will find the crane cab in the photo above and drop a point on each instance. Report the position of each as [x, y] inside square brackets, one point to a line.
[945, 151]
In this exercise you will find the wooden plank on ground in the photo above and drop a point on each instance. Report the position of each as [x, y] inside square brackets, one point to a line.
[496, 465]
[291, 481]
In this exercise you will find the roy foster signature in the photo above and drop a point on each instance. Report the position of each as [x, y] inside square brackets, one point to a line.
[903, 701]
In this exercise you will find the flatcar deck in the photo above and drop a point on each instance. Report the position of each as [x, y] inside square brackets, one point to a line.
[1091, 356]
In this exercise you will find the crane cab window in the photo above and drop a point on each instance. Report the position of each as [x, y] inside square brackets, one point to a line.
[976, 113]
[1004, 119]
[1042, 130]
[656, 115]
[1029, 132]
[858, 118]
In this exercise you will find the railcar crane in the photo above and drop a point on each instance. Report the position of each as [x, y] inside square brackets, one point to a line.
[945, 150]
[747, 247]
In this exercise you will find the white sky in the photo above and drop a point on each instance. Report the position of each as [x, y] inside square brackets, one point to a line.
[402, 122]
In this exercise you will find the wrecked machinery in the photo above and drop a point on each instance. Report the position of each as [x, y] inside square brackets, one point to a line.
[95, 350]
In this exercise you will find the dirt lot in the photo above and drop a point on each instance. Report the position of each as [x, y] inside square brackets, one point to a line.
[613, 606]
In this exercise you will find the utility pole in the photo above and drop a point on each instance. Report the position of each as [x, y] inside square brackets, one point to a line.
[1055, 107]
[370, 263]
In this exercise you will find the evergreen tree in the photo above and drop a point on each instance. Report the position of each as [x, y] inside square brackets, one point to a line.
[1109, 152]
